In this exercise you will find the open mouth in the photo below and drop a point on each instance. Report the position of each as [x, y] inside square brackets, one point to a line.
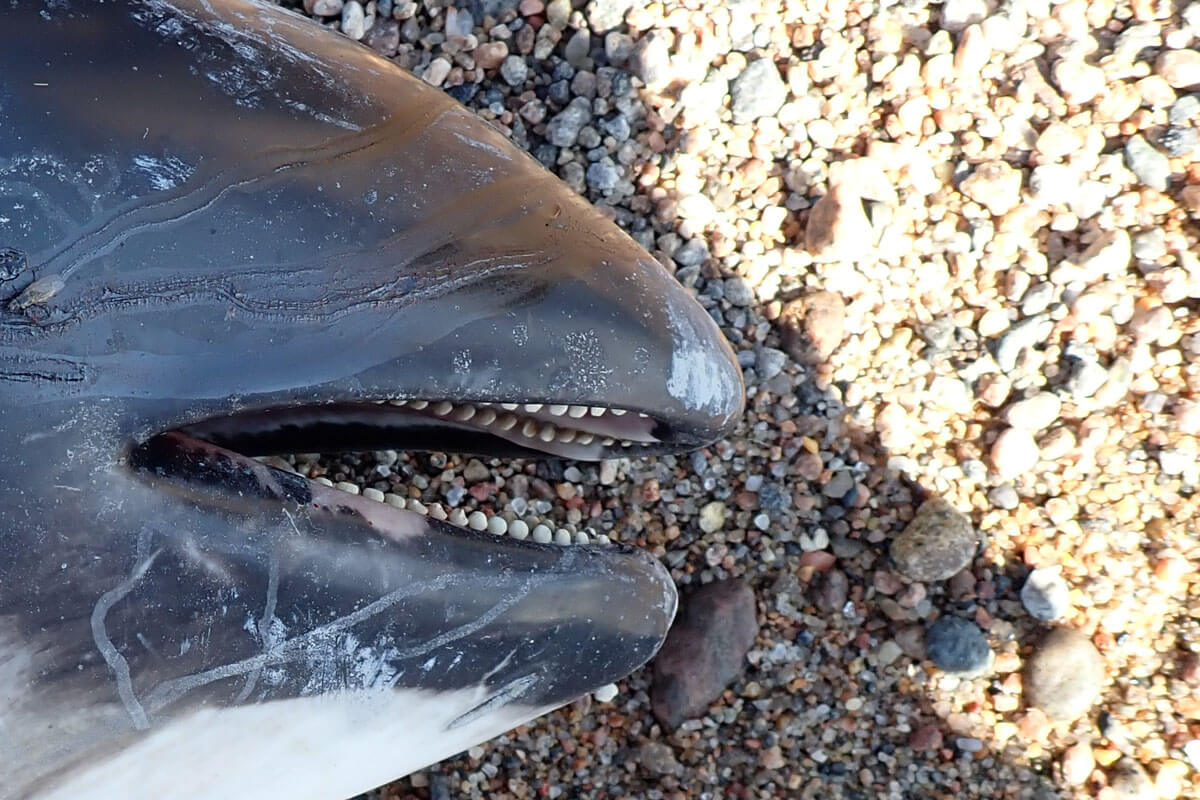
[238, 458]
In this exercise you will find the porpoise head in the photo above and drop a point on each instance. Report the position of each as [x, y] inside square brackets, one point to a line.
[227, 234]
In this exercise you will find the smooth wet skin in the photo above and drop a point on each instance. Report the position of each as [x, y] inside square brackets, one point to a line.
[217, 210]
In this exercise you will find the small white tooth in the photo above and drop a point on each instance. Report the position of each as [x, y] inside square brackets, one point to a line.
[463, 413]
[323, 481]
[581, 537]
[510, 406]
[557, 410]
[394, 500]
[533, 408]
[575, 412]
[603, 538]
[477, 521]
[486, 416]
[417, 506]
[458, 517]
[418, 405]
[618, 412]
[530, 428]
[347, 487]
[436, 511]
[562, 537]
[496, 525]
[443, 408]
[542, 535]
[518, 529]
[608, 440]
[373, 494]
[585, 438]
[398, 402]
[506, 422]
[626, 443]
[643, 416]
[566, 435]
[597, 411]
[546, 434]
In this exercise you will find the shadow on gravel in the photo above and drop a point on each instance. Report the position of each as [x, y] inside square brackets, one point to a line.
[837, 700]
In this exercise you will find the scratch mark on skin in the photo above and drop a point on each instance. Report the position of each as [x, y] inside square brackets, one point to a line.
[116, 662]
[264, 624]
[290, 649]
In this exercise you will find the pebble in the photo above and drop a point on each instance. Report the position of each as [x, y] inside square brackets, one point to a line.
[758, 91]
[1054, 184]
[927, 738]
[958, 14]
[354, 21]
[514, 71]
[563, 129]
[712, 516]
[1180, 68]
[1045, 594]
[996, 185]
[325, 8]
[813, 326]
[1077, 764]
[657, 758]
[606, 693]
[1034, 413]
[651, 61]
[938, 543]
[705, 650]
[1179, 140]
[1079, 81]
[958, 646]
[1014, 453]
[1149, 165]
[1064, 675]
[1129, 781]
[838, 228]
[604, 15]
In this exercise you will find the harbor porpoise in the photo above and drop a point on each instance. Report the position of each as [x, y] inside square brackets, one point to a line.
[226, 234]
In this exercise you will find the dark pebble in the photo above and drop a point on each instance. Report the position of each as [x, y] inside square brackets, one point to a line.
[705, 650]
[957, 645]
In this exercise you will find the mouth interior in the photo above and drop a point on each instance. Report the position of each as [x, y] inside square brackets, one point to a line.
[220, 452]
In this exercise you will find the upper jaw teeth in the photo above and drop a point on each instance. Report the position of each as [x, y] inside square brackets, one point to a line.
[515, 417]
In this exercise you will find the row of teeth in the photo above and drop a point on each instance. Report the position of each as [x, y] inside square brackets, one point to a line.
[505, 417]
[521, 529]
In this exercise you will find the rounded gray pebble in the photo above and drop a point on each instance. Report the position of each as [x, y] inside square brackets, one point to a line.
[1149, 165]
[758, 91]
[1064, 675]
[957, 645]
[1045, 594]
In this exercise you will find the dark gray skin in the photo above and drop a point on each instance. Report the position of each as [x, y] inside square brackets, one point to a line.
[217, 218]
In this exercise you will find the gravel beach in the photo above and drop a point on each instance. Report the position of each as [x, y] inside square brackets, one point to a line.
[955, 248]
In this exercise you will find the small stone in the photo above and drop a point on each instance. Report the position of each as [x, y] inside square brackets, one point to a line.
[1045, 594]
[957, 645]
[490, 55]
[994, 185]
[1184, 110]
[1014, 453]
[772, 758]
[712, 516]
[324, 8]
[771, 362]
[1179, 140]
[1064, 675]
[1149, 165]
[1079, 81]
[657, 758]
[937, 544]
[1077, 764]
[604, 15]
[759, 91]
[1129, 781]
[514, 71]
[577, 49]
[354, 21]
[926, 738]
[1054, 184]
[838, 228]
[738, 292]
[705, 650]
[603, 175]
[837, 487]
[958, 14]
[476, 471]
[1108, 256]
[1058, 140]
[1180, 68]
[437, 72]
[1034, 413]
[813, 327]
[606, 693]
[1005, 497]
[563, 129]
[384, 37]
[651, 60]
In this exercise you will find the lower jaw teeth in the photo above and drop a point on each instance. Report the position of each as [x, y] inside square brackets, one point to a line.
[539, 531]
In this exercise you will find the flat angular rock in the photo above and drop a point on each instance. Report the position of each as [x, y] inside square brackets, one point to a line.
[705, 650]
[938, 543]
